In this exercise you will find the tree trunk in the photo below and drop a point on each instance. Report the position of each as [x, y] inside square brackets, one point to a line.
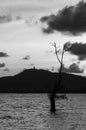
[53, 94]
[52, 103]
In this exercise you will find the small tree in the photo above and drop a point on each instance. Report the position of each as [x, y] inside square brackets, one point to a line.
[66, 46]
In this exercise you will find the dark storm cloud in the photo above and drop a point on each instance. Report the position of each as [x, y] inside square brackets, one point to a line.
[73, 68]
[78, 49]
[2, 65]
[3, 54]
[70, 20]
[27, 57]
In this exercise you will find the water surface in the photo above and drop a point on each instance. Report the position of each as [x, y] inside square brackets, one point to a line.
[31, 112]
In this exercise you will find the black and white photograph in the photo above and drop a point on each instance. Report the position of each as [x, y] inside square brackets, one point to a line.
[42, 64]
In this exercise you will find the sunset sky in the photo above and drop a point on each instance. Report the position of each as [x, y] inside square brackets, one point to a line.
[24, 44]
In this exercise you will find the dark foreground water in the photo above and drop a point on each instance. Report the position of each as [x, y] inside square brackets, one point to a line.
[31, 112]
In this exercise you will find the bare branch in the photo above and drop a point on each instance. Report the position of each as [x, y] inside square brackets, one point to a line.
[56, 52]
[58, 57]
[62, 56]
[66, 46]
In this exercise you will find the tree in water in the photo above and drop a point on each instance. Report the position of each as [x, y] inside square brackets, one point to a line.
[58, 87]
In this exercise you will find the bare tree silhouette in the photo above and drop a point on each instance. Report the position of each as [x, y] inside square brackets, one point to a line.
[58, 86]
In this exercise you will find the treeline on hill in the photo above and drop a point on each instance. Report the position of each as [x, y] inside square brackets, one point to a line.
[41, 81]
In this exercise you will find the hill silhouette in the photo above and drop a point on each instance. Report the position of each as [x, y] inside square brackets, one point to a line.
[41, 81]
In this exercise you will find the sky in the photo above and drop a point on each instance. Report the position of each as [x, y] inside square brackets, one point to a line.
[24, 44]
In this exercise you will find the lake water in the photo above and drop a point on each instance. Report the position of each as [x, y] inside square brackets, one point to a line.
[31, 112]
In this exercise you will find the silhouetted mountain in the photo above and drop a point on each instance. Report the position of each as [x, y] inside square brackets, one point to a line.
[41, 81]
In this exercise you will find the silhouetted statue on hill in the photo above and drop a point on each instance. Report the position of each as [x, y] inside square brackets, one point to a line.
[34, 67]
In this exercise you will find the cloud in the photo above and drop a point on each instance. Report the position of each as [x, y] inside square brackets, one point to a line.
[73, 68]
[47, 30]
[31, 65]
[49, 51]
[3, 54]
[18, 17]
[6, 69]
[71, 20]
[52, 68]
[27, 57]
[2, 65]
[78, 49]
[5, 18]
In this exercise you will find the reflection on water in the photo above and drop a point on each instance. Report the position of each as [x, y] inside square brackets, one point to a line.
[31, 112]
